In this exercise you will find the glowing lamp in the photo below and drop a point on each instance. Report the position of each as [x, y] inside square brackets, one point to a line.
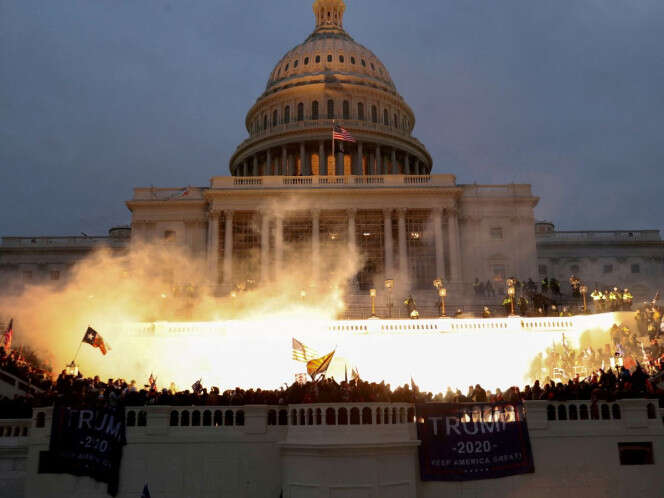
[389, 283]
[372, 292]
[511, 291]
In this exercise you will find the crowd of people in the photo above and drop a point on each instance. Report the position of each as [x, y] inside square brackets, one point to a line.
[615, 381]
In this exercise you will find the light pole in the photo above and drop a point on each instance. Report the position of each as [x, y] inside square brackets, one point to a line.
[584, 291]
[389, 285]
[511, 292]
[372, 293]
[442, 292]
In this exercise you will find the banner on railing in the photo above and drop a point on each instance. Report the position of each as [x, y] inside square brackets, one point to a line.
[86, 442]
[464, 442]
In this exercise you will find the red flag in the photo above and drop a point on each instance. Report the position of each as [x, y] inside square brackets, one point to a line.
[7, 336]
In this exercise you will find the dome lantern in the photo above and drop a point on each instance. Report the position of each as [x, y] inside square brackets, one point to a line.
[329, 13]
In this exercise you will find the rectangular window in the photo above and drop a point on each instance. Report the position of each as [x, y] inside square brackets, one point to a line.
[55, 275]
[635, 453]
[607, 269]
[636, 268]
[497, 233]
[543, 270]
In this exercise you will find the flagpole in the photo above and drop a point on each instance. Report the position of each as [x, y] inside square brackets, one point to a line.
[77, 351]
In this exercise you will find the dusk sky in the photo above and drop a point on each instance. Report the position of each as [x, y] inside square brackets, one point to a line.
[100, 96]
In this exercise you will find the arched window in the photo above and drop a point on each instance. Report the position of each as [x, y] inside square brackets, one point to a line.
[275, 115]
[615, 411]
[551, 412]
[318, 59]
[379, 413]
[286, 68]
[366, 416]
[330, 109]
[306, 61]
[239, 417]
[196, 419]
[374, 114]
[341, 59]
[583, 412]
[352, 60]
[295, 64]
[272, 414]
[606, 415]
[364, 63]
[218, 418]
[346, 109]
[293, 417]
[314, 109]
[410, 416]
[573, 415]
[287, 114]
[354, 416]
[319, 417]
[343, 416]
[360, 111]
[174, 418]
[300, 111]
[386, 118]
[283, 417]
[142, 418]
[228, 417]
[329, 58]
[562, 412]
[310, 417]
[184, 419]
[330, 417]
[303, 417]
[207, 418]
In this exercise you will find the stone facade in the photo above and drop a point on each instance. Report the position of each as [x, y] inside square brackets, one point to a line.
[294, 192]
[631, 259]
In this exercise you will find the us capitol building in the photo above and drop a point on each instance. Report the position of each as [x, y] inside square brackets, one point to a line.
[291, 198]
[289, 189]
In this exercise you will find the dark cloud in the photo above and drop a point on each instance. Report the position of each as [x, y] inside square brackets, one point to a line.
[97, 97]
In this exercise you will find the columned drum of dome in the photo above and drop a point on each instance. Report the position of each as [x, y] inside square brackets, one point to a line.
[330, 79]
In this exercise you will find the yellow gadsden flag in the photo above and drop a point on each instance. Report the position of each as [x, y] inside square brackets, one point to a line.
[320, 365]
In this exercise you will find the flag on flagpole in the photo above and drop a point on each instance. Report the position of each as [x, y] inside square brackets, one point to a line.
[320, 365]
[342, 135]
[355, 375]
[146, 491]
[94, 339]
[303, 353]
[6, 342]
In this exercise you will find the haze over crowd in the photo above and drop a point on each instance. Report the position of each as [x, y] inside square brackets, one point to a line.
[99, 97]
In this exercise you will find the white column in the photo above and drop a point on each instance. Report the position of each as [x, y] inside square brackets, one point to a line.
[379, 161]
[438, 238]
[303, 160]
[406, 164]
[278, 245]
[389, 245]
[254, 171]
[268, 164]
[213, 245]
[358, 166]
[284, 162]
[265, 246]
[455, 248]
[339, 167]
[403, 250]
[228, 249]
[371, 169]
[315, 244]
[351, 230]
[394, 167]
[322, 160]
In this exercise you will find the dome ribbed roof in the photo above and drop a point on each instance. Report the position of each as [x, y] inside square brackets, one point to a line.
[330, 50]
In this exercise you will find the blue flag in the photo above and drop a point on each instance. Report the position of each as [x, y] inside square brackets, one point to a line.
[146, 491]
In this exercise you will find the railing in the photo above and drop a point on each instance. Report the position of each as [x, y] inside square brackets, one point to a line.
[330, 181]
[17, 383]
[14, 428]
[509, 190]
[614, 235]
[50, 242]
[327, 124]
[168, 194]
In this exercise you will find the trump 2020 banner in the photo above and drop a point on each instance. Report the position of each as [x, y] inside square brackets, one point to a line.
[86, 442]
[463, 442]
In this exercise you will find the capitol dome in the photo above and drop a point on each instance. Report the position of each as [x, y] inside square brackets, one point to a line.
[328, 80]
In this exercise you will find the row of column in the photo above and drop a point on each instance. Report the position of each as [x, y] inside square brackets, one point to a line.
[287, 165]
[452, 235]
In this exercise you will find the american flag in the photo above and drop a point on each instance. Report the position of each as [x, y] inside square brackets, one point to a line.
[341, 134]
[302, 353]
